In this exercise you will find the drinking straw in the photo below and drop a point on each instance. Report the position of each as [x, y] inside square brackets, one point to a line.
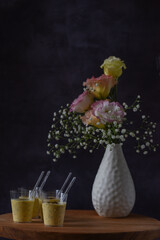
[44, 180]
[70, 185]
[64, 184]
[38, 181]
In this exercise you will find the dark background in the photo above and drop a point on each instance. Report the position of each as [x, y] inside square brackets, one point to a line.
[47, 49]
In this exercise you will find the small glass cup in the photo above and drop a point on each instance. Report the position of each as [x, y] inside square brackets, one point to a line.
[41, 195]
[54, 209]
[36, 205]
[51, 196]
[22, 205]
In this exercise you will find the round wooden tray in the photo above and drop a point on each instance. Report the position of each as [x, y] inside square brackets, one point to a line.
[83, 225]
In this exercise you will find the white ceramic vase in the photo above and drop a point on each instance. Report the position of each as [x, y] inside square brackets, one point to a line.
[113, 192]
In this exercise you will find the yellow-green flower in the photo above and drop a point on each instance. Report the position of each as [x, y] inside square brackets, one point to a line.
[112, 66]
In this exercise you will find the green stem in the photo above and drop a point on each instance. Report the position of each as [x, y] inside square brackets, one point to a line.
[116, 90]
[115, 96]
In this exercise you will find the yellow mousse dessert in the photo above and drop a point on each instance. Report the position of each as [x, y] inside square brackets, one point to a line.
[53, 213]
[51, 200]
[36, 209]
[22, 210]
[40, 209]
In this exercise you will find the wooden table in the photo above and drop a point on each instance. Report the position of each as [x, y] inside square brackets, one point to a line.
[83, 225]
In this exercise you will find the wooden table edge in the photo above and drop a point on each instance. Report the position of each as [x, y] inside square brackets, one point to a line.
[62, 235]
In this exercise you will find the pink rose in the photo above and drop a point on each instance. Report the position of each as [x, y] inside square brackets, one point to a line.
[101, 86]
[82, 103]
[90, 119]
[108, 112]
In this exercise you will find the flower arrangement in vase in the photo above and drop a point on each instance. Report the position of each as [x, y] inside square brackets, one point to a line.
[96, 119]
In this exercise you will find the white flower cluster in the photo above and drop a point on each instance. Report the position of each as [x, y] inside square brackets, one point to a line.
[69, 134]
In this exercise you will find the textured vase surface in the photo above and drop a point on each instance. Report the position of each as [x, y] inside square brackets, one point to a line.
[113, 192]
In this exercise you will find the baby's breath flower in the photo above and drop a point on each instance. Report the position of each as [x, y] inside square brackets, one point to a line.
[115, 123]
[71, 134]
[145, 152]
[109, 132]
[49, 136]
[122, 138]
[62, 150]
[125, 105]
[132, 134]
[123, 131]
[142, 146]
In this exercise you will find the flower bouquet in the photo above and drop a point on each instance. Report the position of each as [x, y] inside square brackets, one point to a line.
[96, 118]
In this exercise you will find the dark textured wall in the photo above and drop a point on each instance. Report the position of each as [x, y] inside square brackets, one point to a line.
[47, 49]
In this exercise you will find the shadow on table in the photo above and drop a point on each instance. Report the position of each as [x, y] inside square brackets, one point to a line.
[11, 239]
